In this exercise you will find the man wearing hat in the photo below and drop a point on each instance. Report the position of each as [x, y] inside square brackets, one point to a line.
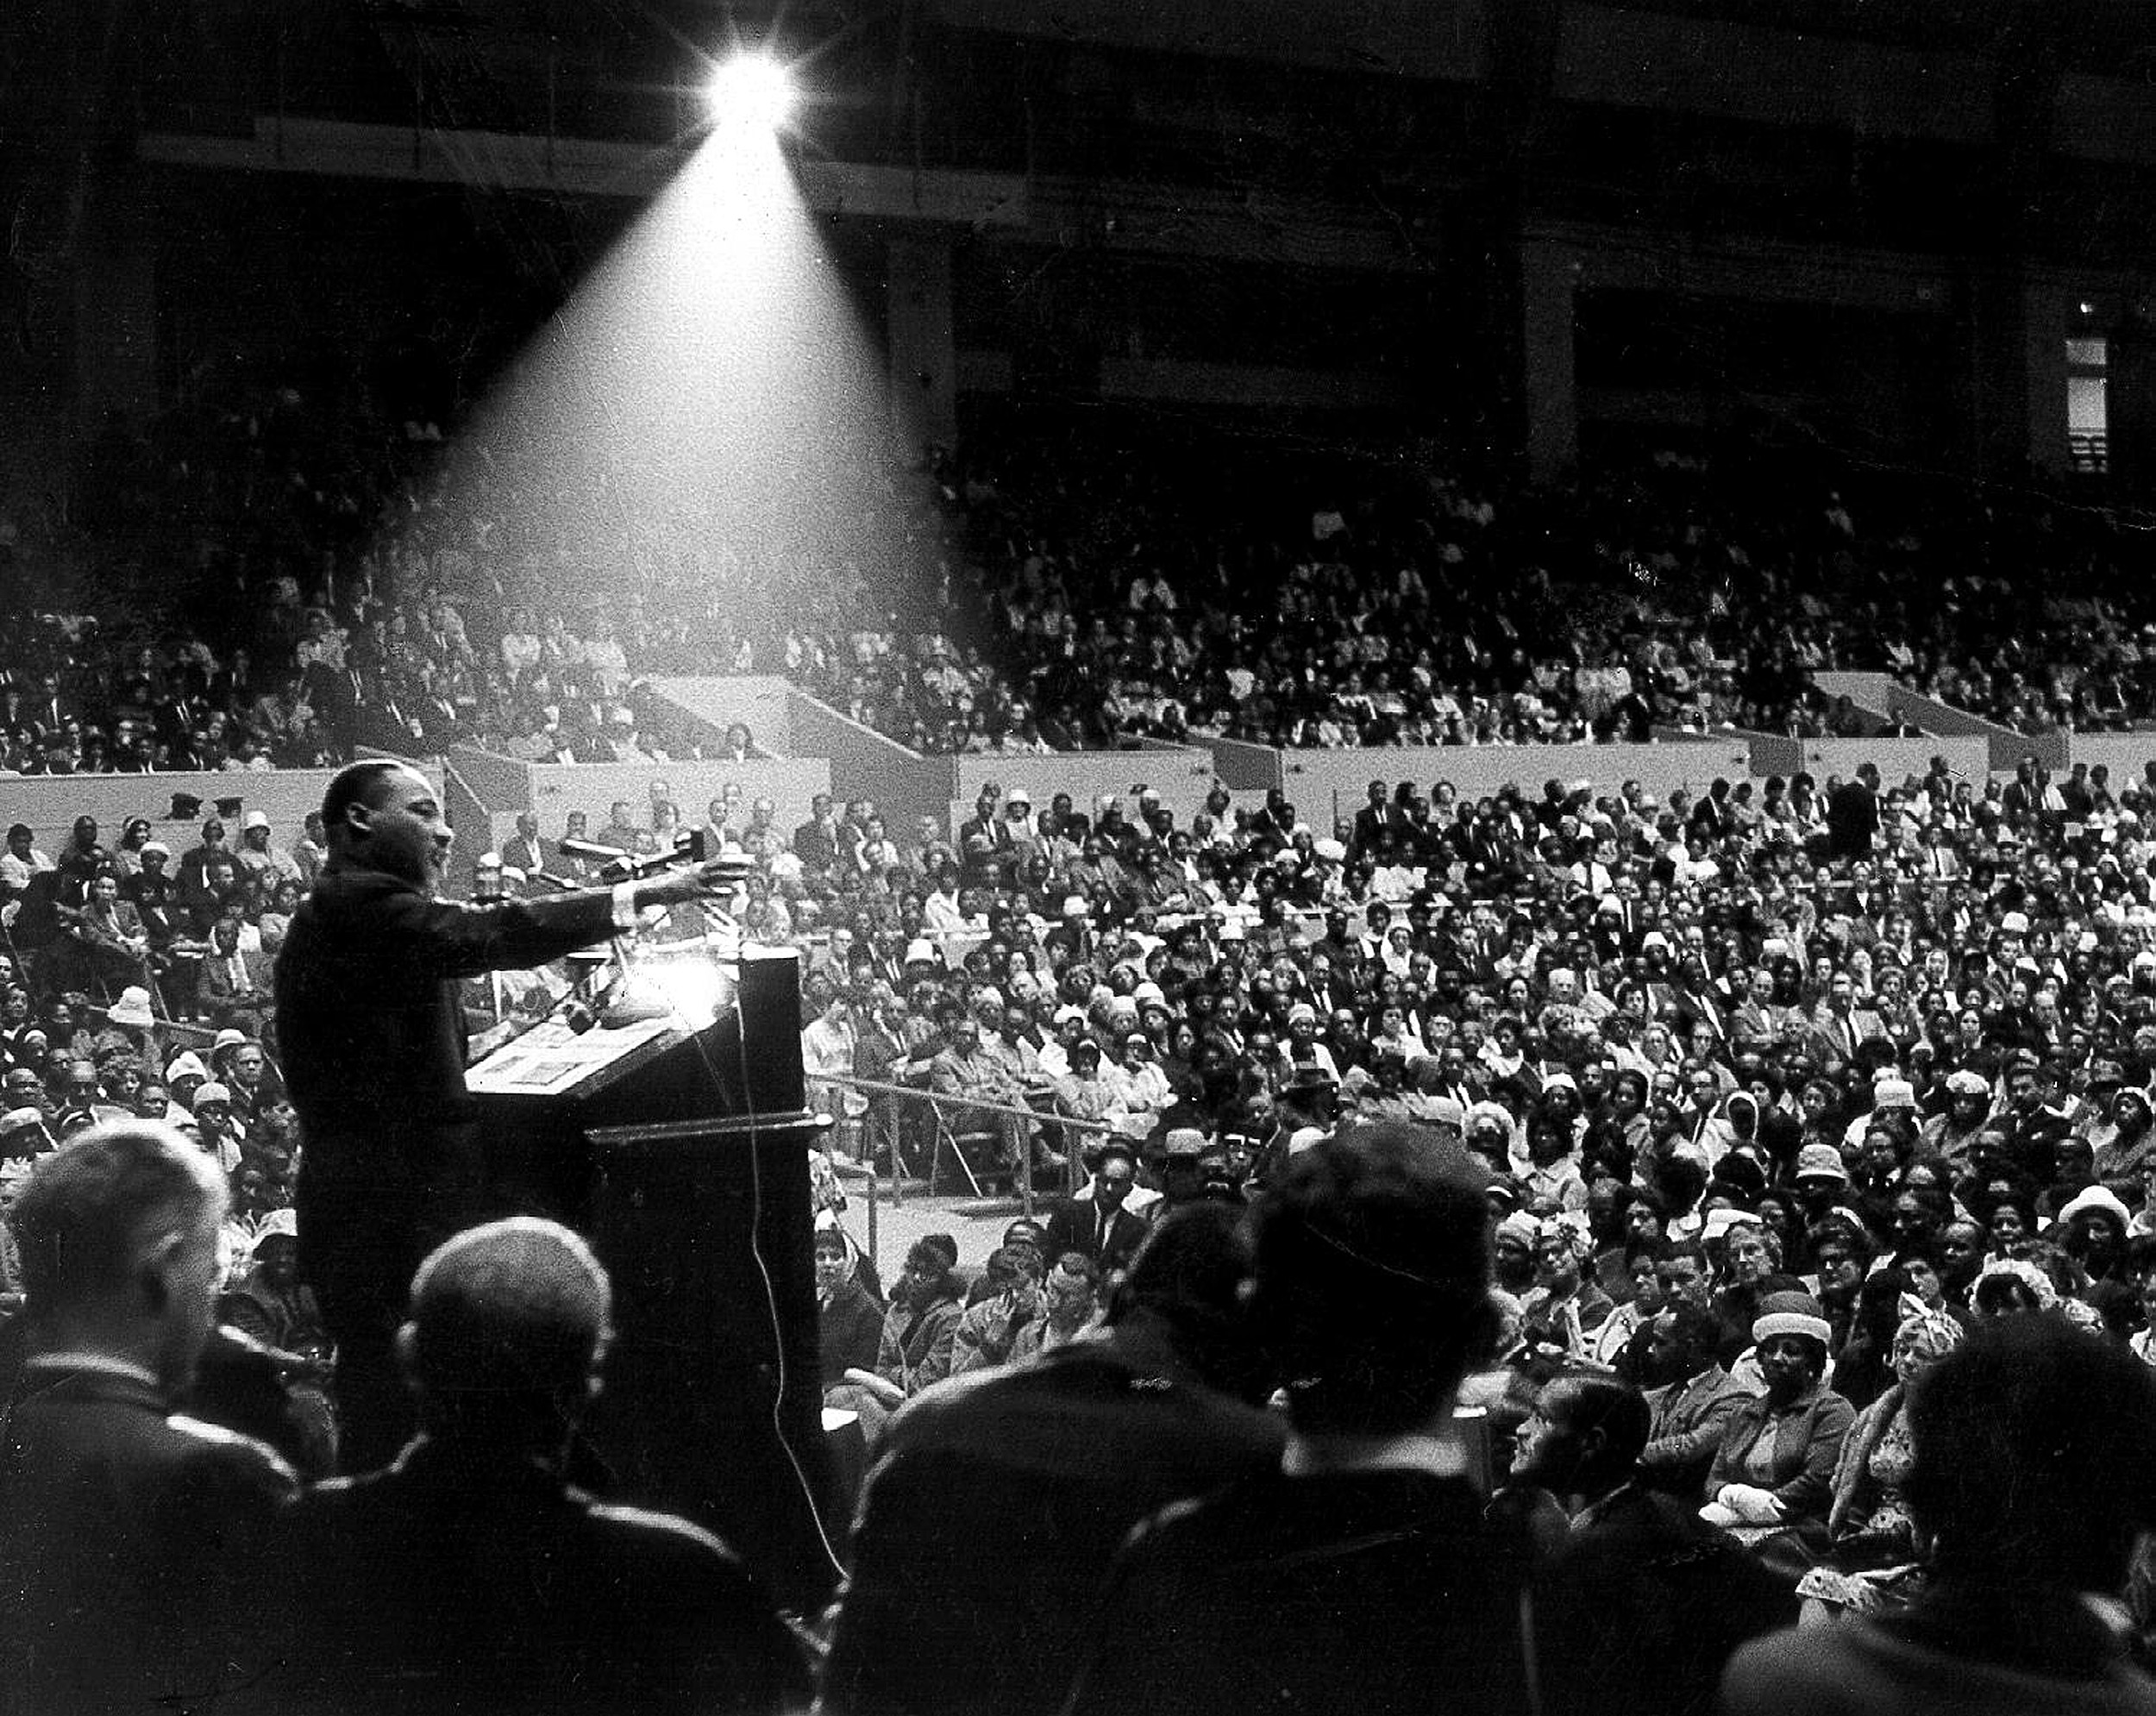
[1181, 1179]
[372, 1052]
[218, 1133]
[1821, 1178]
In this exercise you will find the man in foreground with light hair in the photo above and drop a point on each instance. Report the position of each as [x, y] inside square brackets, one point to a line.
[126, 1532]
[470, 1575]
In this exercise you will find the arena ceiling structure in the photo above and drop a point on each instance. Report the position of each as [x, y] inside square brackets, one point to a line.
[1526, 224]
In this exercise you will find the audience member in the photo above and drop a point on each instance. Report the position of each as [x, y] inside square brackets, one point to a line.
[1370, 1290]
[1638, 1602]
[128, 1534]
[997, 1502]
[471, 1575]
[2032, 1449]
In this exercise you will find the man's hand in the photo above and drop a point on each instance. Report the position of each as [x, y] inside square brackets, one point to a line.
[708, 881]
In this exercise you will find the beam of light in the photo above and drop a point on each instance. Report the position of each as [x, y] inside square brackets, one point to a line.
[705, 421]
[752, 90]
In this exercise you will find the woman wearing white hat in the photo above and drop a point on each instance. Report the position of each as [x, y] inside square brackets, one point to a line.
[1774, 1469]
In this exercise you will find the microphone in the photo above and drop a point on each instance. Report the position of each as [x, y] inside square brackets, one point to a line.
[591, 850]
[688, 847]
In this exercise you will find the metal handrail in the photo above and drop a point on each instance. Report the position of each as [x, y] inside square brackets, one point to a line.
[939, 1099]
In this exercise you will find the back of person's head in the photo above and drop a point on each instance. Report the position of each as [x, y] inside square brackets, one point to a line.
[507, 1325]
[1187, 1276]
[91, 1215]
[2035, 1456]
[1371, 1279]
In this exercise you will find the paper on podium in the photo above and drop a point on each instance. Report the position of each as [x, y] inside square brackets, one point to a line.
[551, 1058]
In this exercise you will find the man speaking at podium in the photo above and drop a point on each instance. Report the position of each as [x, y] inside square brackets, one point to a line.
[373, 1047]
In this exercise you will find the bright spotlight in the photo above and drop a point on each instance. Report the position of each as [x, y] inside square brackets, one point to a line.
[752, 90]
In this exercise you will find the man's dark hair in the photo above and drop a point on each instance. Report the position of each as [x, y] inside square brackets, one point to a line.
[1007, 1263]
[1696, 1331]
[1187, 1278]
[88, 1208]
[358, 783]
[2036, 1456]
[1372, 1278]
[1682, 1181]
[1603, 1403]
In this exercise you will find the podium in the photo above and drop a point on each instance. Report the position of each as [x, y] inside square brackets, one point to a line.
[682, 1156]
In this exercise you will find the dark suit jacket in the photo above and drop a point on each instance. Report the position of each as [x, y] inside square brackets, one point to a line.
[848, 1333]
[366, 1000]
[217, 990]
[1235, 1602]
[1689, 1421]
[127, 1538]
[1074, 1224]
[475, 1583]
[527, 855]
[1642, 1603]
[996, 1503]
[374, 1056]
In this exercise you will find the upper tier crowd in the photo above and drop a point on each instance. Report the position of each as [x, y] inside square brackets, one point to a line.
[272, 590]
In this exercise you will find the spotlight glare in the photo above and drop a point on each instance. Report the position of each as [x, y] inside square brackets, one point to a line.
[752, 90]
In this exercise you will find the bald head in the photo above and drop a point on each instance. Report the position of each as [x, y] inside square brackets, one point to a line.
[509, 1323]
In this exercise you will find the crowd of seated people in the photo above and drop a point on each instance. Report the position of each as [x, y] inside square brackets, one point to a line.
[1776, 1093]
[1031, 592]
[1414, 605]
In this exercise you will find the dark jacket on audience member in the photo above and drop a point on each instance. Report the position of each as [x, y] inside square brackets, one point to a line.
[993, 1509]
[848, 1331]
[1689, 1419]
[1641, 1604]
[1074, 1225]
[455, 1583]
[1947, 1656]
[127, 1538]
[1366, 1591]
